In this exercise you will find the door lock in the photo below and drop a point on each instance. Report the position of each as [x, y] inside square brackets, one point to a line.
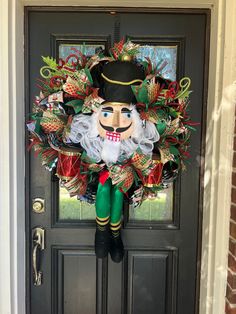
[38, 239]
[38, 205]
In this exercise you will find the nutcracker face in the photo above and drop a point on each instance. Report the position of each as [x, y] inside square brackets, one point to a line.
[115, 122]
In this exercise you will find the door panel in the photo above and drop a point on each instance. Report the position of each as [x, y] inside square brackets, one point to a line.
[148, 286]
[76, 281]
[159, 270]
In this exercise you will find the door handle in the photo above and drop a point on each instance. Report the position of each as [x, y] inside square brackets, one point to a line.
[38, 238]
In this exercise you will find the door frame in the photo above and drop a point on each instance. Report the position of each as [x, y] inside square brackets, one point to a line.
[220, 121]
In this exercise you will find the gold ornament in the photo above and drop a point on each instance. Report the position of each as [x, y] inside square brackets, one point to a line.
[126, 57]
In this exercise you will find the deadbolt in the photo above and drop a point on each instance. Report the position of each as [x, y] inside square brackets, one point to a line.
[38, 205]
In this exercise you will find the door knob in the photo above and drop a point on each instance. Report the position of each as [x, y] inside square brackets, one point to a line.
[38, 205]
[38, 238]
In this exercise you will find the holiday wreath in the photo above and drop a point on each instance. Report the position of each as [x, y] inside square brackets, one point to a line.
[110, 126]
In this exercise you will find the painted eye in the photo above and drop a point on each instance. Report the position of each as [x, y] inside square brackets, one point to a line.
[127, 115]
[106, 114]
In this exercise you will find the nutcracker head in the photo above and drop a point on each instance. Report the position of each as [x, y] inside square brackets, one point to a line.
[115, 131]
[116, 120]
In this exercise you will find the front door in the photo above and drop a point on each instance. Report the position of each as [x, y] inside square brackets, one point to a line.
[160, 270]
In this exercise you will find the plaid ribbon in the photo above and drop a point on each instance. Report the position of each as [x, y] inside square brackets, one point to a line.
[142, 163]
[124, 175]
[51, 122]
[92, 102]
[77, 185]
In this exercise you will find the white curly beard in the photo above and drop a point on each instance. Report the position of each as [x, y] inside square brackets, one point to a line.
[110, 151]
[84, 131]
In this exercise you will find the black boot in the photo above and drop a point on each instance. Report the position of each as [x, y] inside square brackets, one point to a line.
[117, 247]
[102, 241]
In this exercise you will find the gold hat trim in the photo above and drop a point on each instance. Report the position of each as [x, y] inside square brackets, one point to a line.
[120, 82]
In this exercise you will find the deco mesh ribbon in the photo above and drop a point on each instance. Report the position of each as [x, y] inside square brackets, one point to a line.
[67, 89]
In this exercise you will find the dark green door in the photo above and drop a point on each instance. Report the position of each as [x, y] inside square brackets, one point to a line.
[160, 271]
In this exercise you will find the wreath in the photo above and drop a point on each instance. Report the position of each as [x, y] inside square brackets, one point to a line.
[66, 111]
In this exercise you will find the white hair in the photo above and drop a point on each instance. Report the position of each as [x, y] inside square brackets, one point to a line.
[84, 131]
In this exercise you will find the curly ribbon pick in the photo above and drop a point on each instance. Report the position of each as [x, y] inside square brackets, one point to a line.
[73, 64]
[70, 57]
[61, 63]
[47, 72]
[173, 90]
[184, 84]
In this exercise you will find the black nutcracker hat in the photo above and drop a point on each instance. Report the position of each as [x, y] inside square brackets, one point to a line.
[117, 78]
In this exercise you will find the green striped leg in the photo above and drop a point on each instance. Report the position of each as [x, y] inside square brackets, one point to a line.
[117, 198]
[103, 207]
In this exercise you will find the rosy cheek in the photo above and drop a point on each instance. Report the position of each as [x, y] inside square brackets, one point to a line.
[127, 134]
[105, 120]
[125, 121]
